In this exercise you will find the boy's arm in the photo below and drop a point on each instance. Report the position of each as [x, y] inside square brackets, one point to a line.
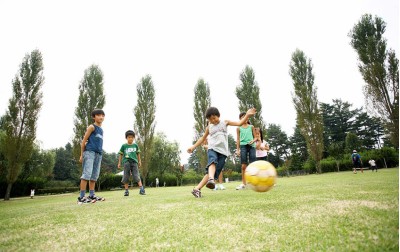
[89, 131]
[139, 160]
[119, 160]
[249, 114]
[199, 141]
[237, 141]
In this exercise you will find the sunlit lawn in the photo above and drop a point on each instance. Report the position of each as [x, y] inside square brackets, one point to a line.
[328, 212]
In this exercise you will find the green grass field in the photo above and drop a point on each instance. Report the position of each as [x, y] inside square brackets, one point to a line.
[328, 212]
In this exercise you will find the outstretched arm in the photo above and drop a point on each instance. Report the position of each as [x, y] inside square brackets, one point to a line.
[251, 112]
[199, 141]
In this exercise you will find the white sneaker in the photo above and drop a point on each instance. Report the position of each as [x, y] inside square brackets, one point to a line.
[222, 187]
[240, 187]
[216, 187]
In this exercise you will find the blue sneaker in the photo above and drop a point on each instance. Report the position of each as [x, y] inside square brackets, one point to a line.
[142, 192]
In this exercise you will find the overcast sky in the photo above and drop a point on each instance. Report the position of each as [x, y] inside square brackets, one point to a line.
[178, 42]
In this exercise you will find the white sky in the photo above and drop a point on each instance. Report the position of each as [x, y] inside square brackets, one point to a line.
[178, 42]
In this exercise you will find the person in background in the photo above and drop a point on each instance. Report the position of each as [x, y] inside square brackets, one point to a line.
[262, 146]
[373, 165]
[357, 163]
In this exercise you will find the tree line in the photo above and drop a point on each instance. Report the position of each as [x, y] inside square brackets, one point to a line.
[322, 130]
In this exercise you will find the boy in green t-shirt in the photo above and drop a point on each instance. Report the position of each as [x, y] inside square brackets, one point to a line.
[130, 156]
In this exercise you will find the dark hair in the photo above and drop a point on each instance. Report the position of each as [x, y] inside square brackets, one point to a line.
[261, 135]
[129, 133]
[243, 114]
[212, 111]
[97, 111]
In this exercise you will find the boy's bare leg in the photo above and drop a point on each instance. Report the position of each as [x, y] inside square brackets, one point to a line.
[83, 185]
[92, 184]
[211, 171]
[202, 182]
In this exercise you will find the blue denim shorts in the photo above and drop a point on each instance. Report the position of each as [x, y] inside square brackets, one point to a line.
[218, 159]
[247, 154]
[91, 165]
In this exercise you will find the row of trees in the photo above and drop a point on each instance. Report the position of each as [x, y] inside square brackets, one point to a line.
[326, 128]
[321, 129]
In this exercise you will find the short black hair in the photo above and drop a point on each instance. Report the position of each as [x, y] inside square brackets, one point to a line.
[212, 111]
[129, 133]
[97, 111]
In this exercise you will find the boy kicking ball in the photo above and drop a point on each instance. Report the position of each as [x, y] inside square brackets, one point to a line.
[218, 150]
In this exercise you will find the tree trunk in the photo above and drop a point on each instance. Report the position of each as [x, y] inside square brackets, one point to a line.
[8, 191]
[337, 165]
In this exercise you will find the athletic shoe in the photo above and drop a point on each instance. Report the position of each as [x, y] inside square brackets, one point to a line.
[96, 198]
[126, 193]
[142, 192]
[210, 184]
[215, 188]
[240, 187]
[221, 187]
[85, 200]
[196, 193]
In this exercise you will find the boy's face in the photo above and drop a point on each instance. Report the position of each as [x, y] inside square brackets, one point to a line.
[99, 118]
[130, 139]
[213, 119]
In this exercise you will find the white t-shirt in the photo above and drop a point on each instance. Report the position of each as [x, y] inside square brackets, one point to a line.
[218, 138]
[372, 162]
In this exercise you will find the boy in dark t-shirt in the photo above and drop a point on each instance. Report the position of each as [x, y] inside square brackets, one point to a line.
[129, 154]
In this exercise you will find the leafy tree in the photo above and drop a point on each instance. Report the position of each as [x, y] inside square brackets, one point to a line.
[165, 156]
[298, 144]
[336, 150]
[21, 118]
[380, 70]
[40, 165]
[108, 166]
[352, 142]
[338, 119]
[368, 130]
[65, 164]
[145, 111]
[305, 102]
[248, 93]
[91, 96]
[202, 101]
[278, 142]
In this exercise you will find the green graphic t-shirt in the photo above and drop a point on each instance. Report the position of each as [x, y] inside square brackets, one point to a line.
[129, 152]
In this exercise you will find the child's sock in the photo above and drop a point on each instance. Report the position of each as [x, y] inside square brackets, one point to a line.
[82, 193]
[141, 188]
[91, 192]
[126, 190]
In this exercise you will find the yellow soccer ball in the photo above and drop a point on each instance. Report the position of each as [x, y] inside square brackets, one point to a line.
[260, 176]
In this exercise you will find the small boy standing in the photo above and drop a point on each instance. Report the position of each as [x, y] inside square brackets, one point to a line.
[91, 155]
[218, 149]
[130, 156]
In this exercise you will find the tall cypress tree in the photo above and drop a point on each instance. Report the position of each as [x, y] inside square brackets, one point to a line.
[21, 118]
[380, 70]
[145, 124]
[91, 96]
[202, 101]
[248, 93]
[305, 102]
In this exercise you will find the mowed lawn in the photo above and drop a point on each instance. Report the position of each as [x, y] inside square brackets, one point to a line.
[329, 212]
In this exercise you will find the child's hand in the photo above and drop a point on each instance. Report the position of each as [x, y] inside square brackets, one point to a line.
[251, 112]
[238, 152]
[190, 149]
[119, 165]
